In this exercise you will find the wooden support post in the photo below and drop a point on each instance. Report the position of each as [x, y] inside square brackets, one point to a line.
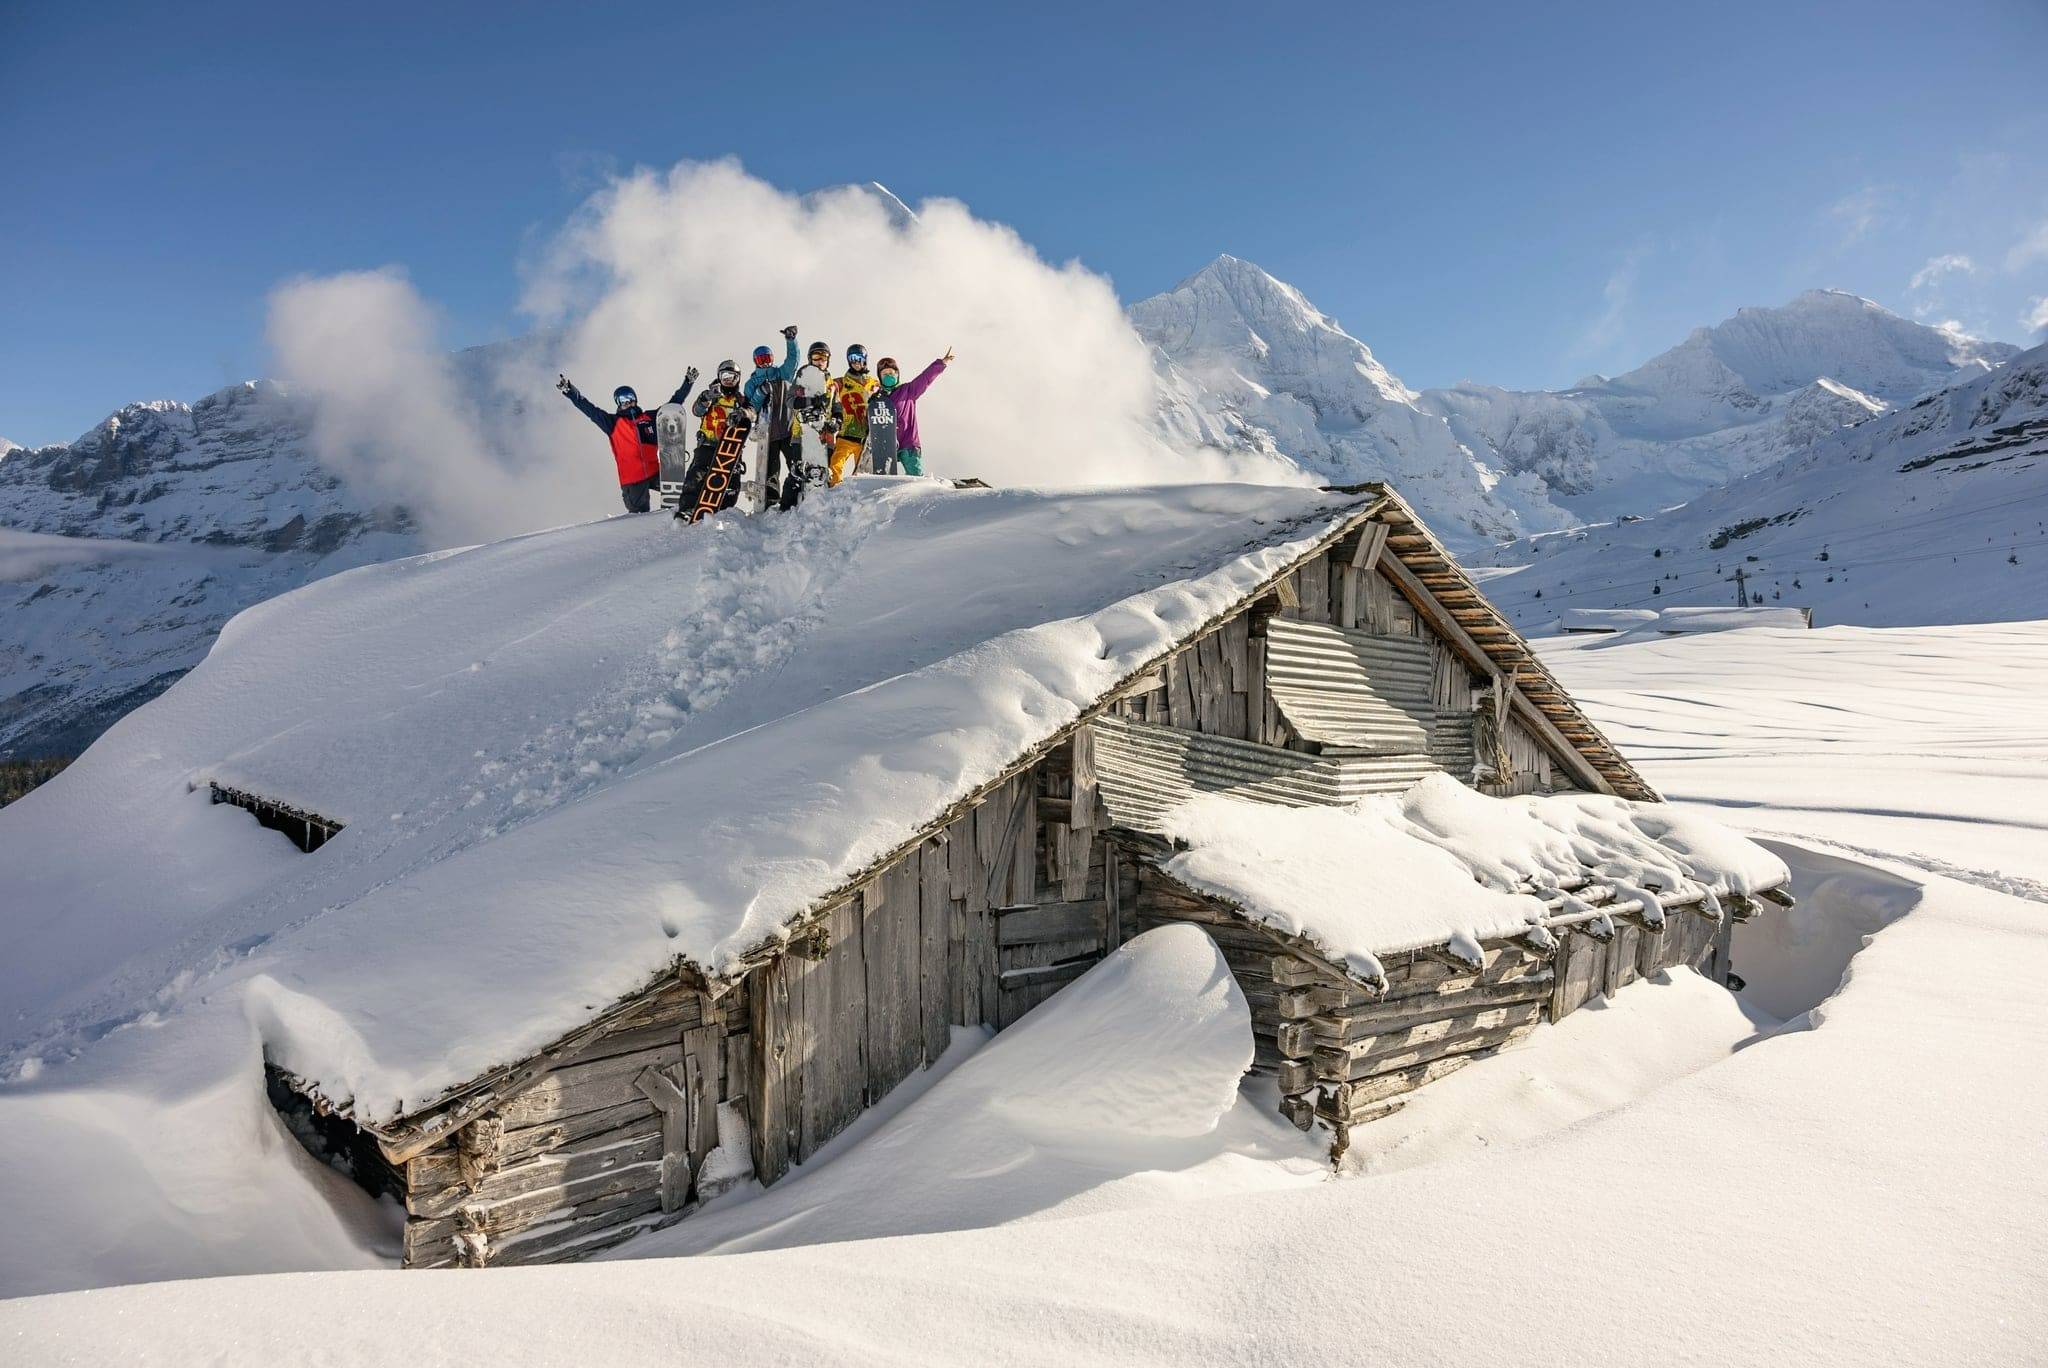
[673, 1102]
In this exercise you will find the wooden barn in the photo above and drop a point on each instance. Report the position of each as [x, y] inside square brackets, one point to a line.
[1363, 664]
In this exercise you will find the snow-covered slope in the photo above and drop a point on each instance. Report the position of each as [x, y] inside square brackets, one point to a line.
[1935, 512]
[1729, 400]
[176, 517]
[1244, 361]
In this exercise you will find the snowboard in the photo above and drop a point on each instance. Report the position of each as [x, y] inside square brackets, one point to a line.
[672, 435]
[721, 482]
[878, 451]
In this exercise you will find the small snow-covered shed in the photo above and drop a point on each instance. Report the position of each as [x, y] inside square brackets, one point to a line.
[587, 936]
[1729, 618]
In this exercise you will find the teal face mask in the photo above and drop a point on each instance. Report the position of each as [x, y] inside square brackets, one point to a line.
[889, 381]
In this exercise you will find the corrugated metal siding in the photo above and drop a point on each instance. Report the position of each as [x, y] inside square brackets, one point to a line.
[1145, 771]
[1357, 690]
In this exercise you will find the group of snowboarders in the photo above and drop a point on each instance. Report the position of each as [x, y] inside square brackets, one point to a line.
[861, 418]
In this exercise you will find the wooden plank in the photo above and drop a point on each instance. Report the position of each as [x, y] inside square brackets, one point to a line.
[1082, 920]
[1036, 974]
[1352, 1102]
[1342, 1025]
[1366, 551]
[835, 1072]
[935, 931]
[435, 1186]
[630, 1183]
[585, 1087]
[1112, 897]
[703, 1070]
[777, 1024]
[1180, 698]
[1403, 1049]
[673, 1102]
[891, 955]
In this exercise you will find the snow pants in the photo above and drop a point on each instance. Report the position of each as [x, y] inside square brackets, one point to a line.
[845, 458]
[639, 495]
[782, 471]
[911, 459]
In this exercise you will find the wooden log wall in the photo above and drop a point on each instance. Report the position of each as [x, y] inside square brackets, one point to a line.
[1345, 1052]
[584, 1157]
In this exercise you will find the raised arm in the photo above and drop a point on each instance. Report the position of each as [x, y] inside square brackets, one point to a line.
[683, 392]
[787, 370]
[924, 378]
[583, 406]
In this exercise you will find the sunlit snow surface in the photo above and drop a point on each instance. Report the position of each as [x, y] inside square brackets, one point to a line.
[1620, 1190]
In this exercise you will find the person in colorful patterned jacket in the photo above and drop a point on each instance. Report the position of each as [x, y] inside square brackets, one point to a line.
[902, 400]
[847, 405]
[631, 431]
[714, 409]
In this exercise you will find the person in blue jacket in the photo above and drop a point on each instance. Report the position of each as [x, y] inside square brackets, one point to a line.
[770, 393]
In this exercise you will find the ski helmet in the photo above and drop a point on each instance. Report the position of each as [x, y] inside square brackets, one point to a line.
[623, 397]
[889, 372]
[856, 357]
[819, 349]
[728, 373]
[763, 356]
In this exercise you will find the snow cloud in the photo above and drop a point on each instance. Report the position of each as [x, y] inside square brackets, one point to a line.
[388, 415]
[659, 271]
[2035, 319]
[1949, 263]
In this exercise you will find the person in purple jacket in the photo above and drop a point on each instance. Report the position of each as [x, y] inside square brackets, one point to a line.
[902, 398]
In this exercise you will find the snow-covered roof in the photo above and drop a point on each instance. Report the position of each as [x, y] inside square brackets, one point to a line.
[1605, 619]
[1729, 618]
[570, 761]
[1443, 864]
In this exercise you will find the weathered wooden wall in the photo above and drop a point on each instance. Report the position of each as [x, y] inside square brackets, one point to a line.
[975, 926]
[573, 1161]
[1217, 684]
[1346, 1053]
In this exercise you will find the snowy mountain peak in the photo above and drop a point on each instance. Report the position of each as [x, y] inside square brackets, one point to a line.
[1233, 316]
[1771, 350]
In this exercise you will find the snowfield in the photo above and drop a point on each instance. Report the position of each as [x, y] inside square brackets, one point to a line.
[1837, 1167]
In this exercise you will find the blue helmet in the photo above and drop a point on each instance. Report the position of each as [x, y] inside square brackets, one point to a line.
[857, 357]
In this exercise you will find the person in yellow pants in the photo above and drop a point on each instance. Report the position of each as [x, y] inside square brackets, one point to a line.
[847, 403]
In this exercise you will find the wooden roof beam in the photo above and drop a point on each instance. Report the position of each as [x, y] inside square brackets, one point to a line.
[1448, 626]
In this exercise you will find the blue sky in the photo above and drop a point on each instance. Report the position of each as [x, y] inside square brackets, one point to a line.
[1516, 193]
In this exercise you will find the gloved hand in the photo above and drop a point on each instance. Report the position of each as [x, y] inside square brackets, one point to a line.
[790, 332]
[690, 376]
[562, 384]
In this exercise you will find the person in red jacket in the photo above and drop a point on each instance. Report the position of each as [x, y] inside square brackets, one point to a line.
[631, 430]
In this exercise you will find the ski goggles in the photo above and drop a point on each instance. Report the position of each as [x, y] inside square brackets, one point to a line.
[730, 375]
[856, 355]
[764, 357]
[625, 398]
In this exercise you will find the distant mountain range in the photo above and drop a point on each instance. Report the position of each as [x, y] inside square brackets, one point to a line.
[1934, 512]
[123, 553]
[1246, 361]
